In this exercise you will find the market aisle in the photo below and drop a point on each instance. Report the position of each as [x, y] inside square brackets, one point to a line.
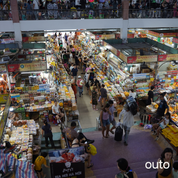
[87, 115]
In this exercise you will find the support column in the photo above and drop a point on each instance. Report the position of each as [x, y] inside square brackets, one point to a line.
[18, 34]
[124, 30]
[15, 18]
[15, 11]
[125, 16]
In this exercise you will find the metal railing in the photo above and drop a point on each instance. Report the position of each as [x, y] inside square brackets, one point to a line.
[153, 13]
[5, 15]
[48, 14]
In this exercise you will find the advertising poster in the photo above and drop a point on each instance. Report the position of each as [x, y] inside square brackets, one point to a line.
[70, 161]
[7, 41]
[13, 67]
[2, 69]
[167, 57]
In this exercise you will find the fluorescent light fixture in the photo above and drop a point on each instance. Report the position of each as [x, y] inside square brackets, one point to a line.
[37, 72]
[126, 68]
[11, 109]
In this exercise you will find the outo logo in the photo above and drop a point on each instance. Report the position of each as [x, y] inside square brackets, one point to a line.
[160, 164]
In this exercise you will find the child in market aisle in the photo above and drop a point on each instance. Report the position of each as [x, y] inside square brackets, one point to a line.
[40, 160]
[94, 98]
[161, 125]
[175, 170]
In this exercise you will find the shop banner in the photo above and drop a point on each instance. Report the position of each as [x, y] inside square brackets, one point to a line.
[123, 57]
[175, 40]
[2, 69]
[13, 67]
[105, 37]
[130, 35]
[36, 38]
[118, 53]
[7, 41]
[70, 162]
[167, 57]
[117, 36]
[97, 37]
[4, 116]
[150, 58]
[173, 72]
[168, 34]
[34, 66]
[131, 59]
[3, 98]
[152, 33]
[25, 39]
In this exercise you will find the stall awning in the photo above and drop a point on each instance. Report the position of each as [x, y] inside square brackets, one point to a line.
[10, 46]
[34, 46]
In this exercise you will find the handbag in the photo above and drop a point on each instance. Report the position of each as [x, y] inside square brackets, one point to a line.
[92, 149]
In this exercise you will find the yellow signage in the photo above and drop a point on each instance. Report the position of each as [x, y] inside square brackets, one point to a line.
[3, 98]
[34, 66]
[36, 38]
[150, 58]
[123, 57]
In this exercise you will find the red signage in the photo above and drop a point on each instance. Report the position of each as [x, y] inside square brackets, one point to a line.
[97, 37]
[131, 59]
[130, 35]
[175, 40]
[173, 72]
[117, 36]
[118, 53]
[13, 67]
[162, 57]
[25, 39]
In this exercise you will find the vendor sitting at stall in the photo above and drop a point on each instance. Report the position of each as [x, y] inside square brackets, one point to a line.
[162, 107]
[161, 125]
[57, 113]
[71, 134]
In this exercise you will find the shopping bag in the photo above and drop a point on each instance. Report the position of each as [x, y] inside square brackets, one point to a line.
[99, 99]
[93, 149]
[118, 133]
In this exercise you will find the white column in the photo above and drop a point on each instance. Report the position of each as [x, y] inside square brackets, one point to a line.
[18, 34]
[124, 30]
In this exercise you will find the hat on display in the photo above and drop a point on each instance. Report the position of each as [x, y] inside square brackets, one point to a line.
[79, 76]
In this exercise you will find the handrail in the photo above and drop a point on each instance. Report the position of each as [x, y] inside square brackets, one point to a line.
[5, 15]
[47, 14]
[152, 13]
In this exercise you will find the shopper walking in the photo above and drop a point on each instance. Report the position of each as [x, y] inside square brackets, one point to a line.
[128, 122]
[74, 88]
[111, 118]
[103, 95]
[36, 8]
[104, 120]
[94, 98]
[40, 160]
[74, 72]
[167, 161]
[80, 84]
[46, 132]
[126, 171]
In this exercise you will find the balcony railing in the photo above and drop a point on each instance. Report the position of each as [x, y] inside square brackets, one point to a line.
[5, 15]
[153, 13]
[70, 14]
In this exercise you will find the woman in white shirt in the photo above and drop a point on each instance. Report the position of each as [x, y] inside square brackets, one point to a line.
[161, 125]
[133, 94]
[57, 113]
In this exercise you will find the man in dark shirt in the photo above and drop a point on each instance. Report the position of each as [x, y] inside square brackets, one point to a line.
[162, 107]
[103, 95]
[74, 72]
[150, 96]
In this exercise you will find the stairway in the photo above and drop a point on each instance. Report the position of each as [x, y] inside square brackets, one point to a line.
[49, 148]
[138, 167]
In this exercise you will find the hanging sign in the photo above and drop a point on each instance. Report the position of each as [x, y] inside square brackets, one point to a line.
[69, 161]
[34, 66]
[13, 67]
[167, 57]
[7, 41]
[2, 69]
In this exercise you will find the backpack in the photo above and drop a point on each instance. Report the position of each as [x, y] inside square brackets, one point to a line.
[81, 82]
[132, 105]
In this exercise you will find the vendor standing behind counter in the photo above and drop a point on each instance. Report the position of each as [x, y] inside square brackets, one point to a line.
[150, 96]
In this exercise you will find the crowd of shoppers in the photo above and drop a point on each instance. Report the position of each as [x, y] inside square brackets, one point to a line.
[153, 9]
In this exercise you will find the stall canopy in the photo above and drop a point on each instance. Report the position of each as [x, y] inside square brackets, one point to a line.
[34, 46]
[139, 50]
